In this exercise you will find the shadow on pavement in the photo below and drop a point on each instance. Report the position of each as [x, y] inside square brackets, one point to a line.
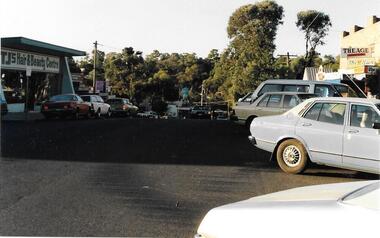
[121, 140]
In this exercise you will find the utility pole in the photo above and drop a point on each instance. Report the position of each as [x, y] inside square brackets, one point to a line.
[95, 53]
[202, 93]
[288, 58]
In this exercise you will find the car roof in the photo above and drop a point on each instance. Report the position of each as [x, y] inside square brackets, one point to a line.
[347, 99]
[299, 81]
[289, 93]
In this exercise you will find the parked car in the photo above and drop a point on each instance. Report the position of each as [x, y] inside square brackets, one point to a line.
[319, 88]
[200, 112]
[268, 104]
[98, 106]
[64, 105]
[148, 114]
[311, 211]
[219, 114]
[122, 106]
[339, 132]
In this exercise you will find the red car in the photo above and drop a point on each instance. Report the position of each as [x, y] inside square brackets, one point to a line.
[66, 105]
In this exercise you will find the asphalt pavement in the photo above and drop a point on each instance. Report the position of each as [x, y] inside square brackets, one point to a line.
[132, 177]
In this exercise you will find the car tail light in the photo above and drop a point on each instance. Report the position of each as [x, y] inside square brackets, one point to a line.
[72, 105]
[125, 107]
[46, 107]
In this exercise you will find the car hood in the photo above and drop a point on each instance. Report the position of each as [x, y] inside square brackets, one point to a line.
[276, 214]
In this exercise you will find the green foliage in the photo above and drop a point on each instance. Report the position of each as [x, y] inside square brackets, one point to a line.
[315, 25]
[248, 60]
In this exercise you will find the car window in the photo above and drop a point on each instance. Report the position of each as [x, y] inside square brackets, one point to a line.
[296, 88]
[61, 98]
[314, 111]
[363, 116]
[332, 113]
[99, 99]
[290, 101]
[86, 98]
[270, 88]
[247, 98]
[346, 91]
[378, 106]
[264, 101]
[324, 91]
[274, 101]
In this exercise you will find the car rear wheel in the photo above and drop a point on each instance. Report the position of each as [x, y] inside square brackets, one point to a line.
[292, 156]
[76, 114]
[98, 114]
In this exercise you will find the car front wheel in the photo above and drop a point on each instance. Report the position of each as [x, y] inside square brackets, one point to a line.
[292, 156]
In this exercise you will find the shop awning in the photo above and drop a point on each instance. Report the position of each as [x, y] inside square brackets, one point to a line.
[22, 43]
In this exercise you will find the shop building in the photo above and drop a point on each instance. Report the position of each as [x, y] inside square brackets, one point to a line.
[360, 53]
[32, 71]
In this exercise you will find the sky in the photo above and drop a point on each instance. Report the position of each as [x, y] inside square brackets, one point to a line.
[191, 26]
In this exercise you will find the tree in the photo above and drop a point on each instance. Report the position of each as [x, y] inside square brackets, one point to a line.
[315, 25]
[123, 70]
[248, 60]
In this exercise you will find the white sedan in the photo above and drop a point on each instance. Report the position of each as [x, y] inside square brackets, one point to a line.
[332, 210]
[339, 132]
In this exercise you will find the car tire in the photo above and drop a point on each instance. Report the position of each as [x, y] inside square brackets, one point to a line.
[109, 113]
[76, 114]
[292, 156]
[88, 114]
[98, 114]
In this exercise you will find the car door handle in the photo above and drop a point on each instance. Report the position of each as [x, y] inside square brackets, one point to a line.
[306, 124]
[353, 131]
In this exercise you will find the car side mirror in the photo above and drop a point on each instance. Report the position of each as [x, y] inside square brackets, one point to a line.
[376, 125]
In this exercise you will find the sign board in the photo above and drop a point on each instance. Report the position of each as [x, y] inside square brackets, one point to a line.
[100, 86]
[21, 60]
[358, 64]
[355, 52]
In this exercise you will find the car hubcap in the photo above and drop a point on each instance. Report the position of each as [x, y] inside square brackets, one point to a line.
[291, 156]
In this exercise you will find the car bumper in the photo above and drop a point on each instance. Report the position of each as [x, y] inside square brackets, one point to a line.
[252, 140]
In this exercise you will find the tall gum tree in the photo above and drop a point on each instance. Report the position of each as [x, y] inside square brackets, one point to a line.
[315, 25]
[249, 59]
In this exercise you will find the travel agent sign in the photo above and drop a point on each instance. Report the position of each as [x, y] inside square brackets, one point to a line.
[20, 60]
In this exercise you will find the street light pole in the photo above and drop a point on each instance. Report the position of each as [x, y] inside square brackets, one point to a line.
[95, 53]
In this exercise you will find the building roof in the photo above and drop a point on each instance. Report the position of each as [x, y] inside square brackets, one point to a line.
[22, 43]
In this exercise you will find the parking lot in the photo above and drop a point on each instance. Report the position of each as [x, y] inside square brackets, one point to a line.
[132, 177]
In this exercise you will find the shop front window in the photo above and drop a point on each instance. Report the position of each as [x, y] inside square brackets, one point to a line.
[41, 86]
[14, 84]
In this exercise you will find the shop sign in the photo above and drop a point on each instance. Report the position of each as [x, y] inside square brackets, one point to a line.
[358, 64]
[20, 60]
[355, 52]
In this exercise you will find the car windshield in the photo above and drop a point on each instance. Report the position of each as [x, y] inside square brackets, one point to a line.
[200, 108]
[115, 100]
[378, 106]
[86, 98]
[346, 91]
[62, 98]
